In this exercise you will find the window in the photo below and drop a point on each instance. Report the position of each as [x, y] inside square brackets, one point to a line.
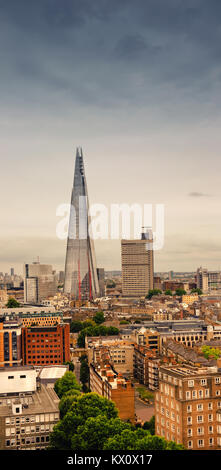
[190, 383]
[189, 432]
[217, 380]
[203, 382]
[217, 393]
[200, 393]
[22, 376]
[207, 392]
[210, 406]
[11, 377]
[187, 395]
[190, 444]
[201, 443]
[189, 408]
[189, 420]
[211, 441]
[200, 407]
[200, 430]
[210, 429]
[200, 419]
[210, 418]
[194, 394]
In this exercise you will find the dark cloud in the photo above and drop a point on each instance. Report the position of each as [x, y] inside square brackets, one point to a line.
[105, 52]
[133, 47]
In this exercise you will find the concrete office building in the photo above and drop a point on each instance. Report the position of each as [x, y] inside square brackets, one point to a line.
[39, 282]
[202, 279]
[137, 266]
[28, 410]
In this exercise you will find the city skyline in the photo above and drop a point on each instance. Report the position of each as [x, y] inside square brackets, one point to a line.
[144, 82]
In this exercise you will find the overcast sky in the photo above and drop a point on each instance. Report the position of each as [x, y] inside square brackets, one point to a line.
[135, 83]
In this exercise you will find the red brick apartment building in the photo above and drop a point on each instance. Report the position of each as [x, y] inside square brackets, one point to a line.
[46, 345]
[105, 381]
[188, 406]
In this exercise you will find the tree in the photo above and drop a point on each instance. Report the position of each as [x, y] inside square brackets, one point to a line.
[95, 431]
[12, 303]
[197, 291]
[139, 439]
[152, 292]
[67, 401]
[180, 291]
[84, 372]
[76, 326]
[150, 425]
[70, 364]
[168, 292]
[99, 318]
[66, 383]
[86, 406]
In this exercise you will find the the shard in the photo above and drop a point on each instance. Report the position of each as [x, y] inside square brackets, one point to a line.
[81, 279]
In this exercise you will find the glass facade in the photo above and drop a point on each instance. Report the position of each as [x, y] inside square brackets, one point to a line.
[81, 279]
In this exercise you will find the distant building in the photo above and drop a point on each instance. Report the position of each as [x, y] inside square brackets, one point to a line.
[146, 367]
[39, 282]
[137, 266]
[149, 338]
[100, 275]
[189, 299]
[214, 280]
[202, 279]
[3, 297]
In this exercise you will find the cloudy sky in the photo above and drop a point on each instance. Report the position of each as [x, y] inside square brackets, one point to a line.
[137, 85]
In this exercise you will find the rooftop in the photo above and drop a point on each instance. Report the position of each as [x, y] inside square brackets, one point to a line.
[42, 401]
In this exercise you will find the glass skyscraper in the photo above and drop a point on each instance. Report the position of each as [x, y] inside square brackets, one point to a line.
[81, 280]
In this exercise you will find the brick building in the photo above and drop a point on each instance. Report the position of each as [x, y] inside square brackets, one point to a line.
[46, 345]
[146, 367]
[105, 381]
[188, 406]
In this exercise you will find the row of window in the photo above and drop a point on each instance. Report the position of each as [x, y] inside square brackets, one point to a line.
[29, 429]
[200, 430]
[27, 440]
[199, 418]
[32, 419]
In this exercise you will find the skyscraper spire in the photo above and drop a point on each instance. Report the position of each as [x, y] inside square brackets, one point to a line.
[80, 268]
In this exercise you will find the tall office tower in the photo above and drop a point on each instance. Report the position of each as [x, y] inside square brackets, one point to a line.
[81, 279]
[39, 282]
[137, 265]
[202, 279]
[12, 272]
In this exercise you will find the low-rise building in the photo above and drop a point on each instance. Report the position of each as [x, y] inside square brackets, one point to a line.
[28, 411]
